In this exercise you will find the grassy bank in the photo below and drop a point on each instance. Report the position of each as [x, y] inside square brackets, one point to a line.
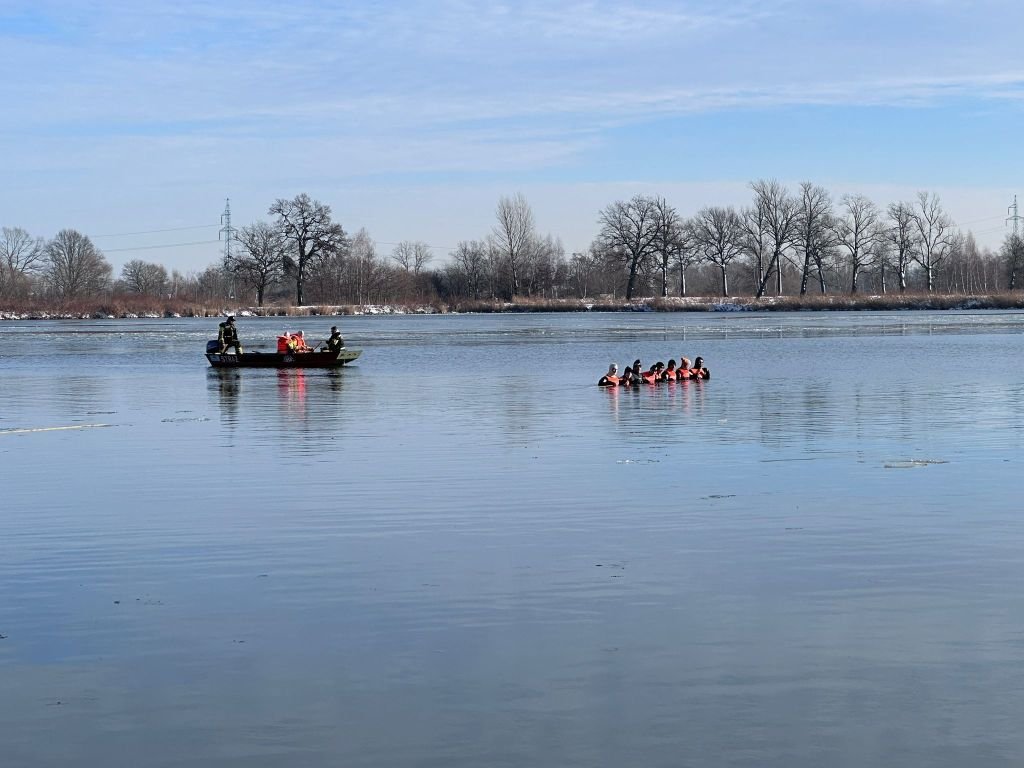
[140, 307]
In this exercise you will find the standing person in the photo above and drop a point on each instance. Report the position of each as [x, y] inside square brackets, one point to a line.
[334, 342]
[227, 336]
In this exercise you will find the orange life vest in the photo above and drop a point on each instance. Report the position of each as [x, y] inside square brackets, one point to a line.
[282, 345]
[608, 381]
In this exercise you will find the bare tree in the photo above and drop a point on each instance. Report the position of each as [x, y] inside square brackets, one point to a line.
[901, 236]
[756, 238]
[74, 267]
[1012, 253]
[212, 283]
[629, 231]
[21, 257]
[411, 256]
[144, 277]
[815, 233]
[582, 269]
[780, 214]
[470, 258]
[718, 233]
[513, 236]
[935, 235]
[858, 231]
[259, 260]
[306, 226]
[668, 241]
[687, 254]
[365, 268]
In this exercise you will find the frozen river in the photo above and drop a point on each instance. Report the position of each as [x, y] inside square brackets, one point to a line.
[461, 552]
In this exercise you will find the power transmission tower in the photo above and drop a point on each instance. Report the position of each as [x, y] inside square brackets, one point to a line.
[1015, 218]
[227, 233]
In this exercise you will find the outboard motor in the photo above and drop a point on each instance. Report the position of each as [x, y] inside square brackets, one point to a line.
[212, 346]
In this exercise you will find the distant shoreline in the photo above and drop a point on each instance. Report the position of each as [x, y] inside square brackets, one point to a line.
[817, 303]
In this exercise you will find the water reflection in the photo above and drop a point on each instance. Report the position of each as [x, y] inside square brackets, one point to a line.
[291, 393]
[227, 384]
[658, 406]
[470, 548]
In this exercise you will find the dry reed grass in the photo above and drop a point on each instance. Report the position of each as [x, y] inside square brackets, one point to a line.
[138, 306]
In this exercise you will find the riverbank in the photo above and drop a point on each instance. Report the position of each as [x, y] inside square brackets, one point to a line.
[885, 302]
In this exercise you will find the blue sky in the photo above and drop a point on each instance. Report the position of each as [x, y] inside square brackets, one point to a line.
[412, 118]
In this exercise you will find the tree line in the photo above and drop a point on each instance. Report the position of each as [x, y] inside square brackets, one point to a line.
[785, 242]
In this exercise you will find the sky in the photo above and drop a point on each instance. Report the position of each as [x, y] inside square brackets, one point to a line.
[133, 122]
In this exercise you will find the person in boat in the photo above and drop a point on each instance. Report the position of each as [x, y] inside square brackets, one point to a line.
[227, 336]
[334, 342]
[610, 379]
[297, 343]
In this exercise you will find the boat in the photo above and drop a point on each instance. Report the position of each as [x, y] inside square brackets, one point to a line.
[284, 360]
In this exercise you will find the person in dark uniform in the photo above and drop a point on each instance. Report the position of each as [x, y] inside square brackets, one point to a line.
[334, 342]
[227, 336]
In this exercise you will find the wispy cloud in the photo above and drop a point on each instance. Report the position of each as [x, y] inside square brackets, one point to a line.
[270, 93]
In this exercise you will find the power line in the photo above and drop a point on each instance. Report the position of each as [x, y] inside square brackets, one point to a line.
[151, 247]
[978, 221]
[154, 231]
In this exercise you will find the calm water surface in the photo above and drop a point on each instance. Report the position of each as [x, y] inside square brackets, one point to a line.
[460, 552]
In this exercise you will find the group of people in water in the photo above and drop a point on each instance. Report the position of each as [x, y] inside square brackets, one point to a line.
[287, 343]
[635, 375]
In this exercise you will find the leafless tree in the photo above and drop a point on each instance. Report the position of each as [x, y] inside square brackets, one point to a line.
[780, 214]
[513, 236]
[668, 240]
[629, 231]
[935, 235]
[470, 258]
[582, 268]
[411, 256]
[756, 238]
[144, 277]
[546, 256]
[365, 267]
[21, 257]
[74, 267]
[687, 254]
[815, 232]
[967, 268]
[901, 236]
[213, 283]
[259, 260]
[1012, 252]
[858, 231]
[718, 233]
[311, 235]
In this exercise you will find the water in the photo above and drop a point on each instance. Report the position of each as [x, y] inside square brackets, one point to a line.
[460, 552]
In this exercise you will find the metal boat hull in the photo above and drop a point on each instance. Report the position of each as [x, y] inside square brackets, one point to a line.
[278, 360]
